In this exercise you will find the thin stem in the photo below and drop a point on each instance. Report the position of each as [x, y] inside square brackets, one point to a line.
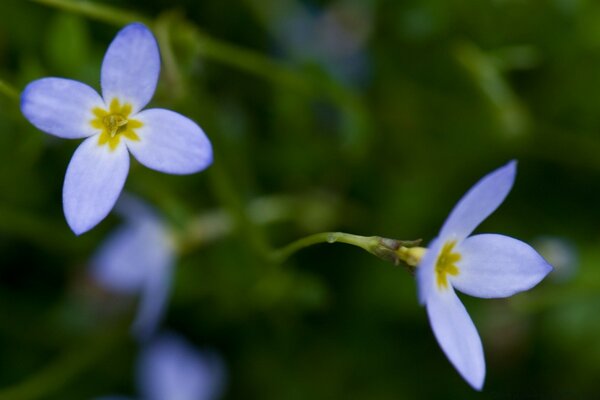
[311, 212]
[395, 251]
[9, 91]
[96, 11]
[325, 237]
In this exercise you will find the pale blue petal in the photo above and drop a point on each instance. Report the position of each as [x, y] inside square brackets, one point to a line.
[138, 258]
[134, 209]
[115, 265]
[479, 202]
[157, 257]
[457, 336]
[131, 67]
[170, 368]
[426, 270]
[497, 266]
[94, 180]
[61, 107]
[171, 143]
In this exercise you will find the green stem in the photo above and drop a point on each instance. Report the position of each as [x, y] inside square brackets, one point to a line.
[9, 91]
[395, 251]
[325, 237]
[311, 212]
[96, 11]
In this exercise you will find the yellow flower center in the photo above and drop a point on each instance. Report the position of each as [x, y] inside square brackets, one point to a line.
[114, 123]
[446, 264]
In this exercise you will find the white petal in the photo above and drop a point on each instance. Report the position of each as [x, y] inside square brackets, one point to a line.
[61, 107]
[426, 270]
[170, 368]
[131, 67]
[479, 202]
[171, 143]
[497, 266]
[94, 180]
[457, 336]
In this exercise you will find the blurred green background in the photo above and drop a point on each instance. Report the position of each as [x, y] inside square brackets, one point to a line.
[371, 117]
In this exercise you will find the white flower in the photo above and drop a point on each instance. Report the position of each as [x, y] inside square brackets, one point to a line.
[138, 259]
[486, 265]
[114, 125]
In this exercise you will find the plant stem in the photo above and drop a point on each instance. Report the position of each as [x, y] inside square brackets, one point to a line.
[96, 11]
[325, 237]
[395, 251]
[9, 91]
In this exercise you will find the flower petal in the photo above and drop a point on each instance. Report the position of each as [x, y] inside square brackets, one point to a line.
[171, 143]
[138, 259]
[457, 336]
[94, 180]
[170, 368]
[426, 271]
[479, 202]
[131, 67]
[61, 107]
[154, 300]
[498, 266]
[115, 266]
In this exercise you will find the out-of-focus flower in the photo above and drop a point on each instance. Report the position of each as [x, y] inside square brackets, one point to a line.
[561, 253]
[170, 368]
[138, 259]
[334, 37]
[487, 265]
[114, 125]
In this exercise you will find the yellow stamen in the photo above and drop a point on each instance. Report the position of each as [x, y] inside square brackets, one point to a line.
[114, 123]
[446, 264]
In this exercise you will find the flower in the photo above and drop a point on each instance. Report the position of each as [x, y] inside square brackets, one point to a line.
[332, 37]
[171, 368]
[486, 265]
[138, 259]
[114, 125]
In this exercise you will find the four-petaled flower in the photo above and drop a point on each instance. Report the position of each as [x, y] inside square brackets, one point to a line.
[114, 125]
[487, 265]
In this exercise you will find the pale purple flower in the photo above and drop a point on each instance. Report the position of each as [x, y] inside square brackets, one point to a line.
[114, 125]
[334, 37]
[138, 259]
[170, 368]
[486, 265]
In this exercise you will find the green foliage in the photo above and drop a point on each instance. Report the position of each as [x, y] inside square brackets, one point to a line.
[451, 90]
